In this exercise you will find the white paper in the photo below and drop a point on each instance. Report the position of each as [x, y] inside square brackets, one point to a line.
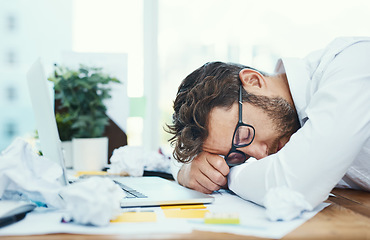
[94, 201]
[134, 160]
[253, 218]
[28, 176]
[253, 222]
[283, 203]
[41, 222]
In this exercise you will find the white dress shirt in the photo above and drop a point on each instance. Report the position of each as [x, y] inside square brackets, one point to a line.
[331, 92]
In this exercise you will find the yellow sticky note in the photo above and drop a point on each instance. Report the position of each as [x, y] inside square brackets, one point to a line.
[136, 217]
[222, 218]
[186, 213]
[189, 206]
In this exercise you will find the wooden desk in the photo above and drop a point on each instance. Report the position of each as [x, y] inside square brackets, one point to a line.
[348, 217]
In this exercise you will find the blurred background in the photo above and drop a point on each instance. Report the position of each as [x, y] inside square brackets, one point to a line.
[164, 41]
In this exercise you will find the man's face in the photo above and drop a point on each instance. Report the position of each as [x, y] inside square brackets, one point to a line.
[268, 139]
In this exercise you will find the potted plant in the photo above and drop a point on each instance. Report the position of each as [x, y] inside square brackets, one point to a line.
[81, 113]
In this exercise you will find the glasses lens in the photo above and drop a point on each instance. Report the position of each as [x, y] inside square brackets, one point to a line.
[243, 136]
[235, 158]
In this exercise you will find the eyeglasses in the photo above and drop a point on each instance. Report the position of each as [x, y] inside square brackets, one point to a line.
[243, 136]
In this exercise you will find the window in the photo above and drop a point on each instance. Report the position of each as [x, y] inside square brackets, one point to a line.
[11, 23]
[11, 93]
[254, 33]
[189, 33]
[11, 57]
[119, 29]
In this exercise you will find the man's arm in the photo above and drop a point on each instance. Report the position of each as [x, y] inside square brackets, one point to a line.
[205, 173]
[320, 153]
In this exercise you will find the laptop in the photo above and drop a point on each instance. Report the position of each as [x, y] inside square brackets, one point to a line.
[140, 191]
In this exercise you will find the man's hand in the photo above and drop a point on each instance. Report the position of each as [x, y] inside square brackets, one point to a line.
[206, 173]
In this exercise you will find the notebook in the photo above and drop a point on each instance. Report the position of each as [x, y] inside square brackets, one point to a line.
[141, 191]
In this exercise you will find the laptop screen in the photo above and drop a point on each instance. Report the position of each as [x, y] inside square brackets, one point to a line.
[44, 115]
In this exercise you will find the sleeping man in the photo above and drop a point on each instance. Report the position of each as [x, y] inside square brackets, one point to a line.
[297, 133]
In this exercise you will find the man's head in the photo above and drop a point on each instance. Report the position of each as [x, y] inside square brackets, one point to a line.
[206, 112]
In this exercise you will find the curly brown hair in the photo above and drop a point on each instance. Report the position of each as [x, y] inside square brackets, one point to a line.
[215, 84]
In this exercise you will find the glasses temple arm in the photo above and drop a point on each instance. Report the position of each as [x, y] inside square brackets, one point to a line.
[240, 104]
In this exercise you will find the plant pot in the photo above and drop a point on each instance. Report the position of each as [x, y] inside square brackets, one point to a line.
[67, 153]
[90, 154]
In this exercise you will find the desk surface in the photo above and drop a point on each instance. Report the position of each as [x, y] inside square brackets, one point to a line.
[348, 217]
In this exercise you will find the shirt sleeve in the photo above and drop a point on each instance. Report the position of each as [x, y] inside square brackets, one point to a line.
[175, 168]
[319, 154]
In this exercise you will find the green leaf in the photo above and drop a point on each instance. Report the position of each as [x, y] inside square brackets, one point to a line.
[82, 93]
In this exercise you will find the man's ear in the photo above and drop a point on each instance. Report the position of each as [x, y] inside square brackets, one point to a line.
[252, 78]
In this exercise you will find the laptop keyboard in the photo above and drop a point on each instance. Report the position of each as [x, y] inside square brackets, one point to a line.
[130, 193]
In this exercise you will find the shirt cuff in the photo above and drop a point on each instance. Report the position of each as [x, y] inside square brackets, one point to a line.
[175, 168]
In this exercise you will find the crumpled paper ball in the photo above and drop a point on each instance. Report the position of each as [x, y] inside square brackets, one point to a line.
[92, 201]
[133, 160]
[27, 176]
[284, 204]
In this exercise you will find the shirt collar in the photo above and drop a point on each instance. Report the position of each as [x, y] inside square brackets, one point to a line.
[298, 80]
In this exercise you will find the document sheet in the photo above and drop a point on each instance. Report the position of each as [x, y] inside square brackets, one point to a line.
[252, 220]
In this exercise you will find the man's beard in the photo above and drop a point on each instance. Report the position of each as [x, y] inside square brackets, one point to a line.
[283, 115]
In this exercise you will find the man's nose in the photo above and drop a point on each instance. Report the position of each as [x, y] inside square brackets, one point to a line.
[256, 151]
